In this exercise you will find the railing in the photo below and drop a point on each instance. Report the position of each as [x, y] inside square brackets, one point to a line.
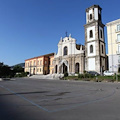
[117, 30]
[117, 52]
[117, 41]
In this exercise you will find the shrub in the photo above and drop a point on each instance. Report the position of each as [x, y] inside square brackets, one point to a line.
[80, 76]
[86, 75]
[22, 74]
[65, 74]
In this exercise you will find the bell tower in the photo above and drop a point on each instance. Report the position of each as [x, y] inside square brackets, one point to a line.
[94, 40]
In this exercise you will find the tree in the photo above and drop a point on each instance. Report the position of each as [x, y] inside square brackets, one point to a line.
[18, 69]
[5, 70]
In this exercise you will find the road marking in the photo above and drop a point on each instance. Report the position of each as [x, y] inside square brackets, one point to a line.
[25, 99]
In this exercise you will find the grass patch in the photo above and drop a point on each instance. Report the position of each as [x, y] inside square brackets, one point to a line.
[88, 77]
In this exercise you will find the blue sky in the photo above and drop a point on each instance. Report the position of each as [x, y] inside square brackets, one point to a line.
[30, 28]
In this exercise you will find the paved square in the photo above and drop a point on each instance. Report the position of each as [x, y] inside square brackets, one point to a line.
[35, 99]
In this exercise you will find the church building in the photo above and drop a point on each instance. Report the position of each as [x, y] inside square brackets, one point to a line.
[70, 57]
[75, 58]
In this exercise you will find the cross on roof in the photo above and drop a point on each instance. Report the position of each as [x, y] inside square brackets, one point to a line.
[66, 33]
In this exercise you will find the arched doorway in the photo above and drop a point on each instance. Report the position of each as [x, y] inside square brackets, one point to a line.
[56, 69]
[64, 68]
[77, 68]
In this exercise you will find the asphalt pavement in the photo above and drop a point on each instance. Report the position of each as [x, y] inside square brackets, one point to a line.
[35, 99]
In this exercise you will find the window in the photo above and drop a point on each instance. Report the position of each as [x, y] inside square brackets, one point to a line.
[45, 62]
[90, 16]
[101, 35]
[99, 16]
[119, 59]
[118, 27]
[118, 38]
[102, 49]
[65, 50]
[77, 68]
[118, 48]
[38, 62]
[91, 48]
[40, 69]
[34, 62]
[91, 34]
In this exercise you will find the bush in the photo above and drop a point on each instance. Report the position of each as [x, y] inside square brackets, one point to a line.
[118, 77]
[80, 76]
[65, 74]
[22, 74]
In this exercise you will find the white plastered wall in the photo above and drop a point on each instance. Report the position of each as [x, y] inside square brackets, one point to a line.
[91, 64]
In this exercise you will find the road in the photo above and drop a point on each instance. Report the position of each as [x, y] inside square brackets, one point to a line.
[34, 99]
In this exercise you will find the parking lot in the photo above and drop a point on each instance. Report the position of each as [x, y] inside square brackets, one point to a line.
[34, 99]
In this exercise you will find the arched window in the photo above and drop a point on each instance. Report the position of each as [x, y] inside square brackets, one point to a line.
[65, 50]
[90, 16]
[101, 35]
[77, 68]
[102, 49]
[91, 48]
[91, 34]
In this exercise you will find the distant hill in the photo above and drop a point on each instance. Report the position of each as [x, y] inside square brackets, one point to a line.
[20, 64]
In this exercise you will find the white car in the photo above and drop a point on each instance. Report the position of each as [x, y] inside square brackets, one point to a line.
[108, 73]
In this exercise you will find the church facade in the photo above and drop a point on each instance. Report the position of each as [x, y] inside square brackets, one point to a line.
[74, 58]
[70, 57]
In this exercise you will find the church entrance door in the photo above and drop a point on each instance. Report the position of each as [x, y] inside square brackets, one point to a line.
[64, 68]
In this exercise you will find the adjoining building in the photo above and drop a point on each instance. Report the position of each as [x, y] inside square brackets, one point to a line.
[40, 65]
[113, 36]
[73, 58]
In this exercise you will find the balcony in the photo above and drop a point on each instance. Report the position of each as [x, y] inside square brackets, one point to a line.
[117, 30]
[117, 52]
[117, 41]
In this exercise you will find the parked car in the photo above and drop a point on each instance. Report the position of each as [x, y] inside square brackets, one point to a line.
[108, 73]
[93, 73]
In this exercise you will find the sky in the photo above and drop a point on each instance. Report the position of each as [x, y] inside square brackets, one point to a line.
[30, 28]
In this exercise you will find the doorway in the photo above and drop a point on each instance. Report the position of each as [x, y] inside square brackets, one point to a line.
[64, 68]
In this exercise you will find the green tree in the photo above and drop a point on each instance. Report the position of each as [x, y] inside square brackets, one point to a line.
[5, 70]
[18, 69]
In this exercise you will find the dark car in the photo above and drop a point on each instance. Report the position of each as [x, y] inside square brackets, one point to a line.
[93, 73]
